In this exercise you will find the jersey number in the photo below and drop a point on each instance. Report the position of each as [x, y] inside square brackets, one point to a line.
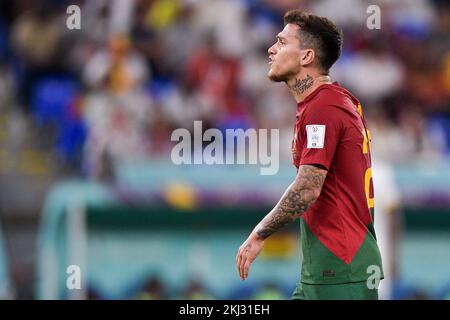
[368, 173]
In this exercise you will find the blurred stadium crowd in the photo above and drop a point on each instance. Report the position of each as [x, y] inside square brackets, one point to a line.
[136, 70]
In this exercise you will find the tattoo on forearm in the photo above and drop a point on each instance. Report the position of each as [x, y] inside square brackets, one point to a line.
[295, 201]
[303, 84]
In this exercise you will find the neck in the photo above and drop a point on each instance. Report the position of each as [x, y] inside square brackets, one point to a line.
[303, 85]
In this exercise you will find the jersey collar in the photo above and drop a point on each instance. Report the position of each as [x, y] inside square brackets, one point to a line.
[314, 93]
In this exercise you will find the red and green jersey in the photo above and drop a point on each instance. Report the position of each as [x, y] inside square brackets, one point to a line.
[337, 235]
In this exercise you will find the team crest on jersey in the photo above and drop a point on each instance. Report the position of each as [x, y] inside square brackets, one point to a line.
[315, 136]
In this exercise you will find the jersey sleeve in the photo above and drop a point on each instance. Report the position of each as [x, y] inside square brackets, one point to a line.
[321, 130]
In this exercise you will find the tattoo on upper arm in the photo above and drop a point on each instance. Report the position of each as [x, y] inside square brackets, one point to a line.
[295, 201]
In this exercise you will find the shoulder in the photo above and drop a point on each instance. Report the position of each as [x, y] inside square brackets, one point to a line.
[333, 102]
[334, 95]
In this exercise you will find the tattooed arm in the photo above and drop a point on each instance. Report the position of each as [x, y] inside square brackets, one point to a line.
[295, 201]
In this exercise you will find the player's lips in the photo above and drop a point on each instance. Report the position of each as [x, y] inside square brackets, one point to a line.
[270, 61]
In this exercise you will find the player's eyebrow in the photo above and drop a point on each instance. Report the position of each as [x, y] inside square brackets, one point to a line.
[280, 37]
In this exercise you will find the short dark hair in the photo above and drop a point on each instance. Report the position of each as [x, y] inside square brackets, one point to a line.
[318, 33]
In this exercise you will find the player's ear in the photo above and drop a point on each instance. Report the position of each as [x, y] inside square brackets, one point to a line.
[307, 57]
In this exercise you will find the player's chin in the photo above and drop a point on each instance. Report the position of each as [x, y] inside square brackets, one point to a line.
[274, 76]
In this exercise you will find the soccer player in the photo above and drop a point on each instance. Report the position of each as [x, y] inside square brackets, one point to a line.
[332, 192]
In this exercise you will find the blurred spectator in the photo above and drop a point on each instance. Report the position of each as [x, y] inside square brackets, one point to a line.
[118, 67]
[36, 37]
[183, 105]
[153, 289]
[7, 88]
[407, 142]
[101, 18]
[340, 14]
[214, 75]
[116, 110]
[181, 38]
[372, 73]
[195, 290]
[226, 20]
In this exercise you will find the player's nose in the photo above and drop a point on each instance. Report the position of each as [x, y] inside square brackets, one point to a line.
[271, 50]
